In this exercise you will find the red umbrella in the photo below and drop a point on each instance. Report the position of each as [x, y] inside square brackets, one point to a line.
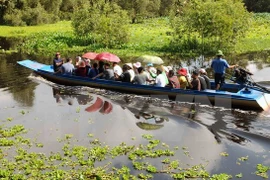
[89, 55]
[107, 57]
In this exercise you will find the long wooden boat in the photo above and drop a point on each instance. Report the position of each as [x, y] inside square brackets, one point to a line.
[238, 96]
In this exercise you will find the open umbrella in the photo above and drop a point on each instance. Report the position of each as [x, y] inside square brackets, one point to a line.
[89, 55]
[150, 59]
[105, 56]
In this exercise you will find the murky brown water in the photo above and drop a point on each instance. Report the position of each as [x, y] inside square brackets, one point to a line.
[53, 111]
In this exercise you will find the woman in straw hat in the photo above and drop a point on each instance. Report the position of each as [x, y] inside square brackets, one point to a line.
[220, 65]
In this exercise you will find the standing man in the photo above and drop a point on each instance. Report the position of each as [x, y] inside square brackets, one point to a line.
[219, 65]
[57, 62]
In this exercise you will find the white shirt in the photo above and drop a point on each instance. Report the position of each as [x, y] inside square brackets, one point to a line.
[117, 70]
[132, 74]
[160, 81]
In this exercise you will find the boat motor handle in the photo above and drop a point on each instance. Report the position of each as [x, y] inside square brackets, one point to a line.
[245, 71]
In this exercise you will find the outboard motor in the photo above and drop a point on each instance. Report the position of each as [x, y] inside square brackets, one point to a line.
[241, 76]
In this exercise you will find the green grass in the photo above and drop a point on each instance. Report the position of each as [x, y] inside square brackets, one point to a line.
[11, 31]
[152, 34]
[146, 38]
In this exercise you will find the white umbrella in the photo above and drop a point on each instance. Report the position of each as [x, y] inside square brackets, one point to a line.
[150, 59]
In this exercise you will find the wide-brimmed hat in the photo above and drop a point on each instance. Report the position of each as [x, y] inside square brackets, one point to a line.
[137, 64]
[220, 53]
[182, 72]
[129, 65]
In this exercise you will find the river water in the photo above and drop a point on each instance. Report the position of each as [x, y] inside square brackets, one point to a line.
[51, 111]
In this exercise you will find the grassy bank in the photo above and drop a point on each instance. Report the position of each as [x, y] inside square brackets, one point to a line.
[146, 38]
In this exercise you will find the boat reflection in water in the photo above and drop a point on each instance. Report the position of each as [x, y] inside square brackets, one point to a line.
[61, 95]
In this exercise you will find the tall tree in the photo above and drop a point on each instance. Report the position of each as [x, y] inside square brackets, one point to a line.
[166, 7]
[104, 21]
[210, 24]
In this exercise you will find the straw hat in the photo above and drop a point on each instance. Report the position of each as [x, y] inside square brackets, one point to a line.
[129, 65]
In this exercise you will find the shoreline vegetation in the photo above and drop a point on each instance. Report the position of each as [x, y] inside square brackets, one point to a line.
[148, 37]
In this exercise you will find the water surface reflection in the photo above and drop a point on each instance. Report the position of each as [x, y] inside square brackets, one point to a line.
[52, 111]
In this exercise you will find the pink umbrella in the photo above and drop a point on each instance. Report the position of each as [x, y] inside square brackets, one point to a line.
[107, 57]
[89, 55]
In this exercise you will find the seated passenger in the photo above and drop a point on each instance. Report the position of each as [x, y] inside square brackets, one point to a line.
[131, 71]
[202, 81]
[81, 70]
[165, 72]
[67, 68]
[57, 62]
[100, 66]
[107, 74]
[78, 60]
[136, 66]
[117, 69]
[173, 80]
[195, 82]
[183, 78]
[125, 76]
[140, 78]
[152, 71]
[203, 74]
[160, 79]
[93, 72]
[87, 65]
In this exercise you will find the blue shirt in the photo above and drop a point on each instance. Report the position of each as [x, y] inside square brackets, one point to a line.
[93, 72]
[219, 65]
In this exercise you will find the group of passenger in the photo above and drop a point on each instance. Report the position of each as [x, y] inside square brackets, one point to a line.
[162, 76]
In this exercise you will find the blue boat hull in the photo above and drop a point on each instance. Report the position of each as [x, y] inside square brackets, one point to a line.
[241, 98]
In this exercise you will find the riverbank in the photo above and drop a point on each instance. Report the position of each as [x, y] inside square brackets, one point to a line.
[149, 37]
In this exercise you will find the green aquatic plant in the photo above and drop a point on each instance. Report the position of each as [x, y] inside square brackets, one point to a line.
[262, 171]
[94, 160]
[225, 154]
[240, 175]
[244, 158]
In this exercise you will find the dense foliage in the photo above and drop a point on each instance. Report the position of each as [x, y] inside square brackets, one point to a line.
[104, 22]
[28, 12]
[194, 27]
[205, 26]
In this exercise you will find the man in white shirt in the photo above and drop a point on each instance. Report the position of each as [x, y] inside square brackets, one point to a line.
[160, 79]
[117, 69]
[131, 71]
